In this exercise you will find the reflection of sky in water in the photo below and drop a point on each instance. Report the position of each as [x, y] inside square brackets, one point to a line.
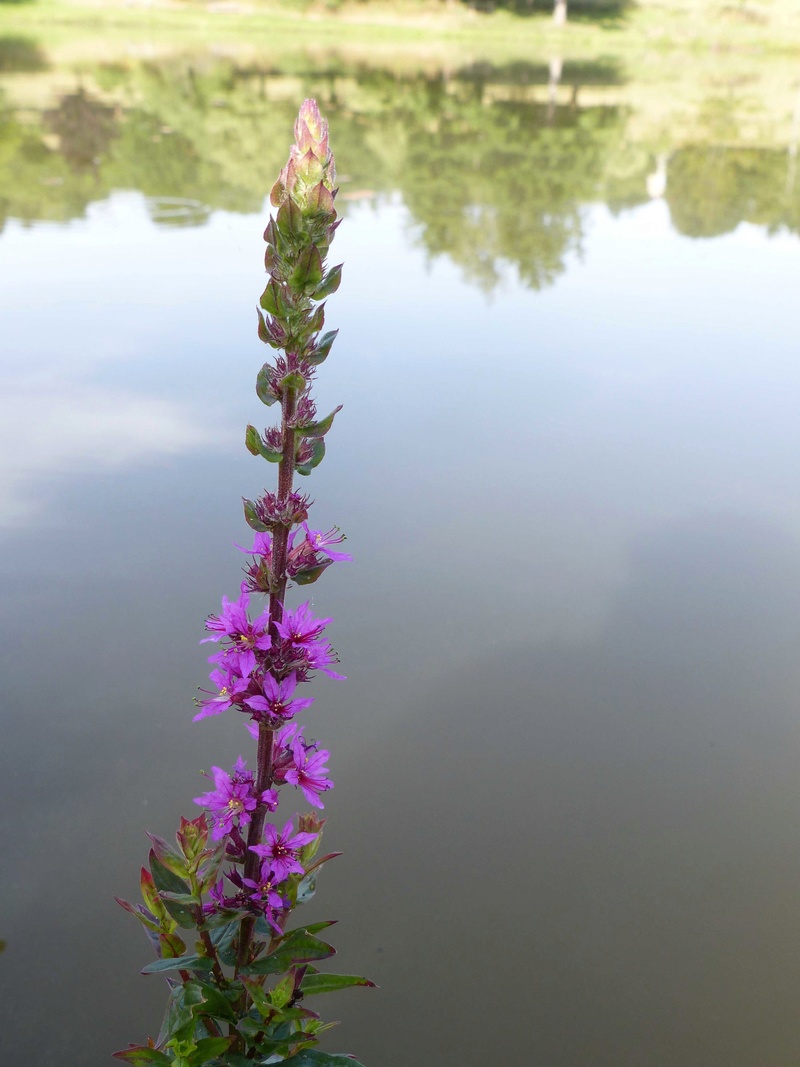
[579, 620]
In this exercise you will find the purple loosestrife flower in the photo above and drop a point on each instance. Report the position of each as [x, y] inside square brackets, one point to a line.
[233, 799]
[299, 627]
[263, 894]
[281, 849]
[231, 688]
[233, 623]
[307, 771]
[276, 703]
[319, 542]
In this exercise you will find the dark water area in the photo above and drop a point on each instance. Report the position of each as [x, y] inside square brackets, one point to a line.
[566, 753]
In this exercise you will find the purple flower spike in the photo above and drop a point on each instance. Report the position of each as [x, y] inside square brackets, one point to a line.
[281, 850]
[277, 702]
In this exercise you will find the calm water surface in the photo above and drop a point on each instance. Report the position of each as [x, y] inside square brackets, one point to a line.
[567, 753]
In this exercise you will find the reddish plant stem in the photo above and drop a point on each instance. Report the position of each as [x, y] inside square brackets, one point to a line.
[277, 593]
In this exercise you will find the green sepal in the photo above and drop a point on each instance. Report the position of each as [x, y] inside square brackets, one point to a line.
[299, 948]
[263, 380]
[330, 283]
[251, 517]
[329, 983]
[317, 456]
[320, 351]
[307, 273]
[179, 963]
[307, 577]
[142, 1056]
[254, 443]
[319, 429]
[311, 1057]
[168, 855]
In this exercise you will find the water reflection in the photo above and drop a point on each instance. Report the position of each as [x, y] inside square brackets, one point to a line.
[574, 766]
[497, 163]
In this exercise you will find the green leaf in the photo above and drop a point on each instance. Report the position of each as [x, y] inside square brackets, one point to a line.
[141, 1056]
[320, 351]
[168, 855]
[222, 940]
[290, 218]
[215, 1003]
[251, 517]
[329, 983]
[311, 928]
[256, 447]
[320, 199]
[298, 948]
[319, 429]
[208, 1048]
[310, 575]
[147, 920]
[330, 283]
[269, 299]
[317, 455]
[307, 273]
[171, 883]
[306, 888]
[179, 963]
[281, 994]
[263, 379]
[312, 1057]
[180, 898]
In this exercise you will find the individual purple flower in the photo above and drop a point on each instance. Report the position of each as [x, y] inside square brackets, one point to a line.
[262, 546]
[281, 850]
[233, 799]
[299, 627]
[320, 656]
[307, 772]
[246, 635]
[231, 688]
[263, 894]
[320, 541]
[277, 700]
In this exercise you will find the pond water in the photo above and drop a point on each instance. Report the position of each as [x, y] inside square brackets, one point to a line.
[567, 751]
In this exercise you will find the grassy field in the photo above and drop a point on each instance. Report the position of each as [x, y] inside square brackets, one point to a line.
[647, 29]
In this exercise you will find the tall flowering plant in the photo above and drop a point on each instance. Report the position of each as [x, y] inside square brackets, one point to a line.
[239, 989]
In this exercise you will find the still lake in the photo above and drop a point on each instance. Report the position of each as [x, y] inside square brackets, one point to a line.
[567, 754]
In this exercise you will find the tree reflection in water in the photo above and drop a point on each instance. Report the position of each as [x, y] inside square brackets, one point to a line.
[496, 164]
